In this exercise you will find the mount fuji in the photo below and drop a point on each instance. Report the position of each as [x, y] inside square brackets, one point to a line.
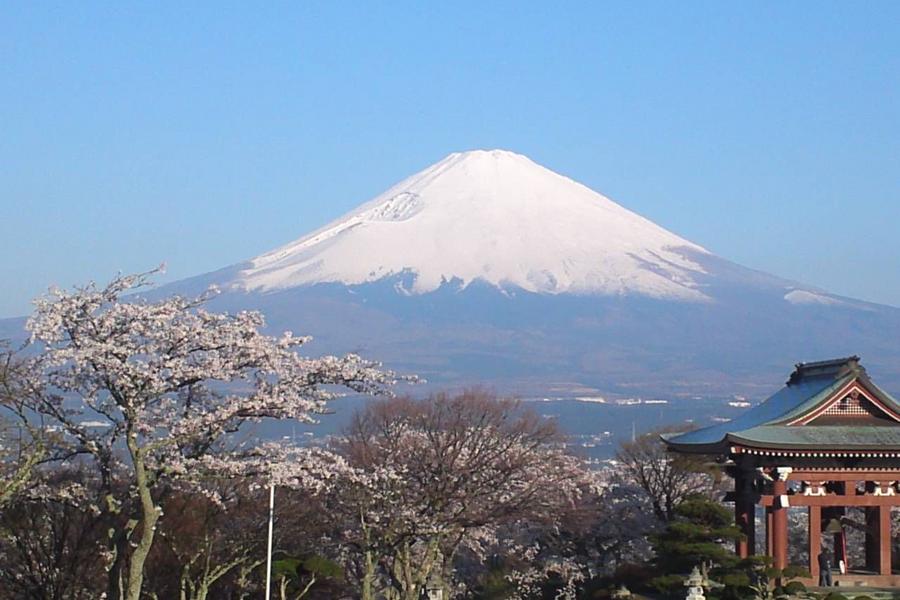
[487, 268]
[494, 217]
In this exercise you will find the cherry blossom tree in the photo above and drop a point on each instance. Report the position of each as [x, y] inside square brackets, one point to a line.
[149, 395]
[430, 473]
[48, 547]
[667, 478]
[562, 556]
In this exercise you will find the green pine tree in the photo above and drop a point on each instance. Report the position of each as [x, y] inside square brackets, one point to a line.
[703, 535]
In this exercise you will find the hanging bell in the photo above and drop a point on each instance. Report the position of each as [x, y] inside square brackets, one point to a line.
[834, 526]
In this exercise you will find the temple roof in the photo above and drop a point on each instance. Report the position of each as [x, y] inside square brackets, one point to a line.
[823, 406]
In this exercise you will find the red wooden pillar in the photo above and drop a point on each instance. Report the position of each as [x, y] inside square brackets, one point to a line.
[779, 524]
[770, 547]
[884, 536]
[815, 540]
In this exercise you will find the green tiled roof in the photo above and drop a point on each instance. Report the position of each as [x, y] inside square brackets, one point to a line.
[836, 437]
[811, 384]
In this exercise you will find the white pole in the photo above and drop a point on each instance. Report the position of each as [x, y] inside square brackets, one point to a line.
[269, 553]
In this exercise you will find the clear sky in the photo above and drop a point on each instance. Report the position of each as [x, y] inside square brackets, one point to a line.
[202, 135]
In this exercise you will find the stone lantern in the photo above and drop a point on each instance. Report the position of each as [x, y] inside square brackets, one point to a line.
[694, 584]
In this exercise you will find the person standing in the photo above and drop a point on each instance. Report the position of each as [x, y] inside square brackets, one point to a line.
[824, 568]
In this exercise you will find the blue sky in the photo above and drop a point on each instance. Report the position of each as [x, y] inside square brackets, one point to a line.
[202, 135]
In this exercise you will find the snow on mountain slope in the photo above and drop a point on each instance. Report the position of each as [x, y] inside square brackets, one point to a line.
[494, 216]
[807, 297]
[651, 313]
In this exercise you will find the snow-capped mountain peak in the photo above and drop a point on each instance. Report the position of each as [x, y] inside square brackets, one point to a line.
[494, 216]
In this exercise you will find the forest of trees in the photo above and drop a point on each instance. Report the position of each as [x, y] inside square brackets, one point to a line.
[128, 470]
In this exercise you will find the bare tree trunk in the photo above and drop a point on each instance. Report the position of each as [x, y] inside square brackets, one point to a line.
[243, 579]
[149, 515]
[407, 584]
[411, 579]
[22, 475]
[306, 588]
[368, 579]
[213, 575]
[114, 575]
[119, 539]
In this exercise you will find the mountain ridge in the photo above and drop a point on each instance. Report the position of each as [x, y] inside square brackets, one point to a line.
[670, 319]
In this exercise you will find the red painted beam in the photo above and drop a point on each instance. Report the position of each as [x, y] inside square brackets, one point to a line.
[834, 500]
